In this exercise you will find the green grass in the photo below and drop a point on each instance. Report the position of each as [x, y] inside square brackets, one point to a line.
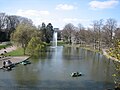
[4, 46]
[17, 52]
[60, 43]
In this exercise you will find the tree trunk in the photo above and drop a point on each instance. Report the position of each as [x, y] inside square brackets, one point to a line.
[24, 50]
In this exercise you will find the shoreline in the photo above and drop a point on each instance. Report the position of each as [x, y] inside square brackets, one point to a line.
[84, 47]
[108, 56]
[103, 51]
[13, 59]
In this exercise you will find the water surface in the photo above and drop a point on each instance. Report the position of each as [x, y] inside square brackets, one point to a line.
[52, 71]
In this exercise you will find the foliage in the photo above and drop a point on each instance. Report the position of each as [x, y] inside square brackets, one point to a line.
[47, 32]
[8, 24]
[115, 52]
[117, 74]
[2, 36]
[23, 34]
[35, 46]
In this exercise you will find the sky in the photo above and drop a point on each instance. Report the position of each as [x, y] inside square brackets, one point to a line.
[62, 12]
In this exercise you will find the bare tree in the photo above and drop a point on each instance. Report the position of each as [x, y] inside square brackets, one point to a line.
[2, 21]
[117, 33]
[11, 24]
[97, 28]
[77, 34]
[110, 27]
[89, 36]
[68, 33]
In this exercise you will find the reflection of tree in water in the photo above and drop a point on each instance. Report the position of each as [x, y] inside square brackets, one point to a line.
[40, 55]
[26, 75]
[72, 53]
[116, 75]
[67, 52]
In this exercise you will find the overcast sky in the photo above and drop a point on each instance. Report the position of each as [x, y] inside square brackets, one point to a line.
[61, 12]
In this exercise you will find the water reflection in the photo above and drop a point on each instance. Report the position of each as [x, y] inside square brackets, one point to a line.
[26, 75]
[52, 71]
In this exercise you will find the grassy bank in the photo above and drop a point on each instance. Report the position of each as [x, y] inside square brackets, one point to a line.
[20, 51]
[4, 46]
[17, 52]
[91, 49]
[59, 43]
[74, 45]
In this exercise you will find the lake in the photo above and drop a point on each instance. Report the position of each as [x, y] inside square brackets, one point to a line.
[52, 71]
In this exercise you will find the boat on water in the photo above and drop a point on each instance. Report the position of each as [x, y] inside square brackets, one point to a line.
[25, 62]
[7, 68]
[76, 74]
[8, 65]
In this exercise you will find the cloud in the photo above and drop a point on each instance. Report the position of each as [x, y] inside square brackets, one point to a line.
[37, 16]
[69, 20]
[31, 13]
[39, 20]
[65, 7]
[103, 5]
[74, 20]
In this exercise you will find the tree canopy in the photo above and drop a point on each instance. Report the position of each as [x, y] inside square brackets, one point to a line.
[47, 32]
[35, 46]
[8, 24]
[23, 34]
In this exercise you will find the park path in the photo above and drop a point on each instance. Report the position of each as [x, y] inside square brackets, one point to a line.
[8, 49]
[16, 59]
[13, 59]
